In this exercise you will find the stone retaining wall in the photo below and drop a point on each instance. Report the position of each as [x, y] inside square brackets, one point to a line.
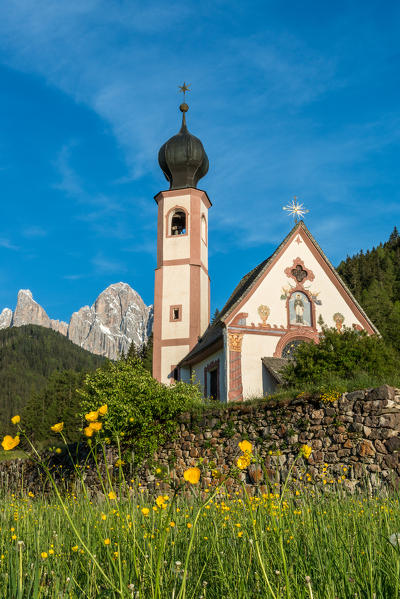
[355, 439]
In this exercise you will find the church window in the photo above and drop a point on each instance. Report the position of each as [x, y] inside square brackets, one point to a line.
[211, 380]
[204, 229]
[290, 348]
[299, 273]
[175, 313]
[178, 223]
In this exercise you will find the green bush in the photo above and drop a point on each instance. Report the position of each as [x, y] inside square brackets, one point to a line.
[141, 411]
[342, 356]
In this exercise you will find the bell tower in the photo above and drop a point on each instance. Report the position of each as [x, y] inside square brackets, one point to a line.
[182, 284]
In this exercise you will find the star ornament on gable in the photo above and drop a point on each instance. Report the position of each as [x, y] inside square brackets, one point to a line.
[184, 88]
[295, 209]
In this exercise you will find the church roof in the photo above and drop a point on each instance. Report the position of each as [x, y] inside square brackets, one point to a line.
[274, 367]
[213, 336]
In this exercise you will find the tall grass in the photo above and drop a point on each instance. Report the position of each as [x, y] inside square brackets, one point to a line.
[197, 546]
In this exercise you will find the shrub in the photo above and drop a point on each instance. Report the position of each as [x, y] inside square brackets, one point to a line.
[346, 355]
[141, 410]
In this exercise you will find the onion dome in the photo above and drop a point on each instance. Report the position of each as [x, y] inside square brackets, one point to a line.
[182, 158]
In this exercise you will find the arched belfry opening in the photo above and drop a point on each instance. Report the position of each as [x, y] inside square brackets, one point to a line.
[178, 222]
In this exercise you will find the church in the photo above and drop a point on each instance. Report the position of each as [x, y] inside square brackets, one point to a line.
[283, 301]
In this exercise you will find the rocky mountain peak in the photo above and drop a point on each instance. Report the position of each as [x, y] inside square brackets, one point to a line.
[117, 318]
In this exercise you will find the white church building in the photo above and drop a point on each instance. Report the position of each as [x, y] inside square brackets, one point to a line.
[282, 302]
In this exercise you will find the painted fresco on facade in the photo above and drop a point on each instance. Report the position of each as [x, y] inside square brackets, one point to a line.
[299, 309]
[286, 291]
[263, 312]
[338, 319]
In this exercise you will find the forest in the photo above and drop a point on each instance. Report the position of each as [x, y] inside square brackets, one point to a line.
[374, 279]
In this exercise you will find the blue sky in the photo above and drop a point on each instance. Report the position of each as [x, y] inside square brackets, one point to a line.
[288, 98]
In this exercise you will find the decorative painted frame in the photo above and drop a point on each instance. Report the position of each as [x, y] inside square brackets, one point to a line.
[307, 335]
[299, 262]
[171, 313]
[313, 327]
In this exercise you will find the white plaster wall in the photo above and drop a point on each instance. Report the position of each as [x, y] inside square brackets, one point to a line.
[270, 290]
[177, 246]
[255, 347]
[176, 290]
[198, 372]
[171, 356]
[204, 309]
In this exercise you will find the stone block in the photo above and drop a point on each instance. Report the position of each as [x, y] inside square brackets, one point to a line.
[393, 444]
[366, 449]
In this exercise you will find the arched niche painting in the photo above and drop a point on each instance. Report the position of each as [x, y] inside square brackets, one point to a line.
[299, 309]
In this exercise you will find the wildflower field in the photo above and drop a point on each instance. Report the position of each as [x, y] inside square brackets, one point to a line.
[306, 545]
[297, 539]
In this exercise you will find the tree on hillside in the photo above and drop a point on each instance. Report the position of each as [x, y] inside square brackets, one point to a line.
[374, 279]
[58, 401]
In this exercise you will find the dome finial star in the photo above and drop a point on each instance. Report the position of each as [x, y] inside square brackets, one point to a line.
[295, 209]
[184, 88]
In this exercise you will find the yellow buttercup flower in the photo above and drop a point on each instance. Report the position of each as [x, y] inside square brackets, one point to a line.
[75, 548]
[107, 541]
[58, 450]
[44, 555]
[192, 475]
[96, 426]
[243, 461]
[57, 428]
[88, 431]
[16, 419]
[119, 462]
[9, 442]
[306, 451]
[245, 446]
[145, 511]
[112, 495]
[92, 416]
[103, 410]
[161, 499]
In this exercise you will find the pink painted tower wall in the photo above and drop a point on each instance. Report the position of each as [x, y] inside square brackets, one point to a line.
[182, 283]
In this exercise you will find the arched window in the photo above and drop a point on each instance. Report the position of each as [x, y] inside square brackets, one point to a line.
[204, 229]
[178, 222]
[290, 348]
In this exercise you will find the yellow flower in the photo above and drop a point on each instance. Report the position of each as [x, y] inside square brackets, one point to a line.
[112, 495]
[103, 517]
[96, 426]
[16, 419]
[158, 470]
[240, 533]
[88, 431]
[107, 541]
[160, 501]
[30, 494]
[119, 462]
[192, 475]
[14, 537]
[189, 525]
[92, 416]
[245, 446]
[306, 451]
[57, 428]
[243, 461]
[9, 443]
[172, 524]
[145, 511]
[103, 410]
[43, 555]
[75, 548]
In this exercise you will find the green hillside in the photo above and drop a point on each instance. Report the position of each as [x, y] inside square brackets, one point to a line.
[28, 356]
[374, 279]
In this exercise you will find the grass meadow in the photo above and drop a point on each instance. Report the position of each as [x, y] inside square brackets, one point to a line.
[197, 544]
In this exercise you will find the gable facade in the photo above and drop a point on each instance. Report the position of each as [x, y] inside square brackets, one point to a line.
[282, 302]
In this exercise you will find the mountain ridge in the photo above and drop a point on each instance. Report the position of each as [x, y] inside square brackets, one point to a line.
[117, 318]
